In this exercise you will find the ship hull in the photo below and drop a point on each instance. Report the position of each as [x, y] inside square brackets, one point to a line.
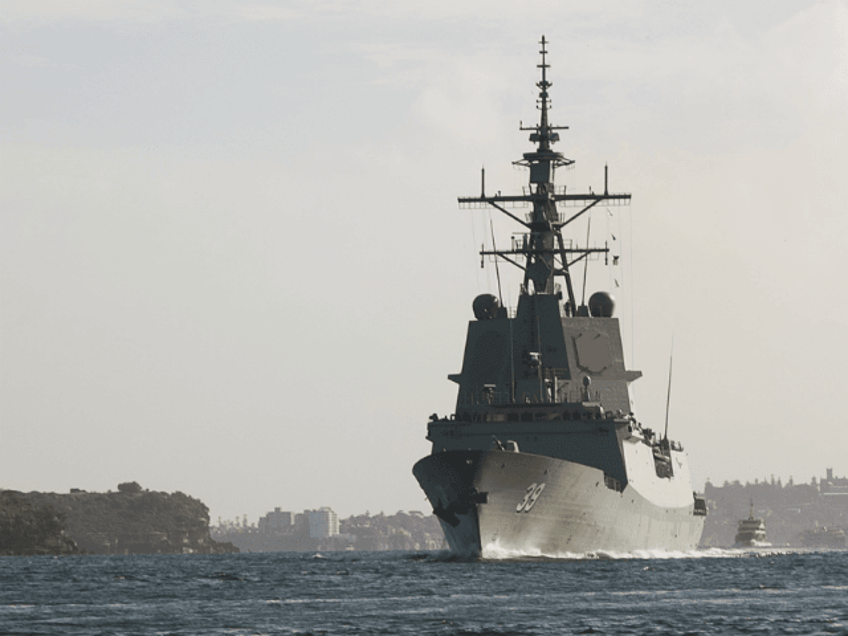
[751, 540]
[504, 502]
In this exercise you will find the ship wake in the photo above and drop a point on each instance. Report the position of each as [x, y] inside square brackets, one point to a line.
[494, 552]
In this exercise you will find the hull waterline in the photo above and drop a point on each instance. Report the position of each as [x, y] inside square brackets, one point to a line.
[478, 497]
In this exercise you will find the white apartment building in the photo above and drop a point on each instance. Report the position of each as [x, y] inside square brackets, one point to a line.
[323, 523]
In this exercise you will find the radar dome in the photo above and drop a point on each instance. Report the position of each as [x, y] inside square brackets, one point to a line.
[601, 304]
[486, 307]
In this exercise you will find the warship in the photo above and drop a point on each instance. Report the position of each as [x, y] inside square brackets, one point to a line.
[543, 455]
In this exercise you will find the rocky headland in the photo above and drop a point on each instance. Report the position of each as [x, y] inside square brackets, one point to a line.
[129, 521]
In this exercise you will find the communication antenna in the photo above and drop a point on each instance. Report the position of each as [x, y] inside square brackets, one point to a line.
[497, 269]
[668, 398]
[586, 259]
[492, 229]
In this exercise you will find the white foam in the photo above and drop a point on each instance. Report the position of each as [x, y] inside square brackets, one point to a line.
[495, 551]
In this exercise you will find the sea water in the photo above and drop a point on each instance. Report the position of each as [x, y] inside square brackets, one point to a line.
[763, 591]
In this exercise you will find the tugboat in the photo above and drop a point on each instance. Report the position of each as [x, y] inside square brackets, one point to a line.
[543, 454]
[751, 532]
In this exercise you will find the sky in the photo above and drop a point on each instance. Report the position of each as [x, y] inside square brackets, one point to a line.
[232, 262]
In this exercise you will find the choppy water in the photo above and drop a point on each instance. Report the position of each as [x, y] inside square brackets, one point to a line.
[712, 592]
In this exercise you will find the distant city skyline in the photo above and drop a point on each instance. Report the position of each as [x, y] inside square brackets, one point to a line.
[271, 517]
[232, 262]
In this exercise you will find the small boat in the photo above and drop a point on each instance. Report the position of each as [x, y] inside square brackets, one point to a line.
[751, 532]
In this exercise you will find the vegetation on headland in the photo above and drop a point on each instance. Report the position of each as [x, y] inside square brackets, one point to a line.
[130, 521]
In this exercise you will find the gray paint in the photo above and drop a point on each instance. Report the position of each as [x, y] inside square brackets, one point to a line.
[550, 383]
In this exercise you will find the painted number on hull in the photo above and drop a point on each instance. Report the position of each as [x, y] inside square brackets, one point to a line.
[530, 496]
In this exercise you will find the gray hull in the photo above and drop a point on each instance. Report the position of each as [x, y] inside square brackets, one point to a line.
[492, 502]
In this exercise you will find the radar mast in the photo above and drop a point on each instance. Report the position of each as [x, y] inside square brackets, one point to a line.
[541, 252]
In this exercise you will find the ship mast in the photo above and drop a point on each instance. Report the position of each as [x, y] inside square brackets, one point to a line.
[541, 252]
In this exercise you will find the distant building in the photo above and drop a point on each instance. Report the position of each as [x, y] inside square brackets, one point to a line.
[791, 510]
[834, 488]
[323, 523]
[275, 522]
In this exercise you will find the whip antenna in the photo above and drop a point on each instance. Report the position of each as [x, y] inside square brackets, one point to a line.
[586, 259]
[668, 397]
[497, 270]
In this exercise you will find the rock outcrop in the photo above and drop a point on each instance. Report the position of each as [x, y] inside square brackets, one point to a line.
[27, 529]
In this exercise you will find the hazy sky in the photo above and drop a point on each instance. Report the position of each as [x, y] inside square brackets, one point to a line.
[232, 263]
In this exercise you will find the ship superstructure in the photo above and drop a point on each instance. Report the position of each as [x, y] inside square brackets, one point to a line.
[543, 454]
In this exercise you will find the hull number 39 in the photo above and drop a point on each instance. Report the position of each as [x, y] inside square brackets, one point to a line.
[530, 496]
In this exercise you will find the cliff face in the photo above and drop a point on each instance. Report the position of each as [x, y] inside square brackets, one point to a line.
[135, 521]
[26, 529]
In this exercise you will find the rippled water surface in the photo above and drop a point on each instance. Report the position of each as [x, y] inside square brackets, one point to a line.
[713, 592]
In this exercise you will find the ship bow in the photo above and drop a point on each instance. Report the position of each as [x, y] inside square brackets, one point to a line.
[449, 481]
